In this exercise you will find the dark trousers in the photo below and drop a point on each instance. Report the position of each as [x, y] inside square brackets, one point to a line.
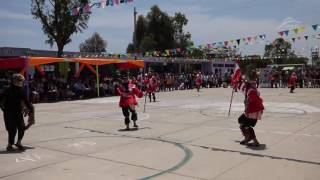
[126, 112]
[292, 88]
[13, 124]
[246, 126]
[153, 96]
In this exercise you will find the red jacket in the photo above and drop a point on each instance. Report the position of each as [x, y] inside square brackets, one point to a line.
[198, 80]
[128, 98]
[292, 80]
[253, 101]
[151, 85]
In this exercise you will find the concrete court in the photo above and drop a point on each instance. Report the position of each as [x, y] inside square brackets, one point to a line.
[186, 135]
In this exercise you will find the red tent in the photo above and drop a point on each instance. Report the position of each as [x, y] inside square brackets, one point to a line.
[12, 62]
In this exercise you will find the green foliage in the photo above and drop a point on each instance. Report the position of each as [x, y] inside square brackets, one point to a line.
[94, 44]
[159, 31]
[279, 49]
[57, 23]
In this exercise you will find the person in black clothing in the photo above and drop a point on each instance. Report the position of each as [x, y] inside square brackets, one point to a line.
[15, 104]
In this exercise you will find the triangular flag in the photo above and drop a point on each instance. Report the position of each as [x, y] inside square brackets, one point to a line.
[116, 2]
[249, 39]
[121, 1]
[299, 38]
[302, 29]
[238, 41]
[296, 30]
[286, 33]
[306, 37]
[281, 33]
[255, 38]
[231, 41]
[261, 36]
[226, 43]
[315, 27]
[108, 3]
[178, 50]
[111, 2]
[209, 46]
[293, 39]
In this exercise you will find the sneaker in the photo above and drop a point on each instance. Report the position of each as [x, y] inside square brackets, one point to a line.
[253, 144]
[135, 125]
[244, 142]
[20, 147]
[10, 148]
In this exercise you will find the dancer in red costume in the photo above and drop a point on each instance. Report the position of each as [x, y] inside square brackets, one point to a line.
[253, 110]
[127, 92]
[292, 82]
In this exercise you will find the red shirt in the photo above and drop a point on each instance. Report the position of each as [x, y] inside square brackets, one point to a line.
[253, 101]
[128, 98]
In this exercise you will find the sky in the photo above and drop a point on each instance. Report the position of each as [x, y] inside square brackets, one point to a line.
[209, 21]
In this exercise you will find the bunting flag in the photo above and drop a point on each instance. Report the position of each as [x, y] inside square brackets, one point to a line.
[306, 37]
[293, 39]
[255, 38]
[281, 33]
[238, 41]
[86, 8]
[249, 39]
[296, 30]
[286, 33]
[315, 27]
[226, 43]
[302, 29]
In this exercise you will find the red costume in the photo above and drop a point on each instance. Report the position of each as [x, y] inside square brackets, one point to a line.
[127, 97]
[292, 82]
[254, 104]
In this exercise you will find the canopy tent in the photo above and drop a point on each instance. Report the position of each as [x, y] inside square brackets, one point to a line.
[12, 62]
[131, 64]
[25, 62]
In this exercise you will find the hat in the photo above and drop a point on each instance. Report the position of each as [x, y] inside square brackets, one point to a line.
[17, 77]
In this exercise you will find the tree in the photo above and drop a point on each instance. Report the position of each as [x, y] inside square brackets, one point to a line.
[57, 23]
[94, 44]
[159, 31]
[279, 49]
[182, 39]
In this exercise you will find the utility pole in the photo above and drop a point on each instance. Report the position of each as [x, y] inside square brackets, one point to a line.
[134, 30]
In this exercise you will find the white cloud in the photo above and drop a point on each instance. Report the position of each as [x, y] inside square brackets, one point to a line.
[4, 14]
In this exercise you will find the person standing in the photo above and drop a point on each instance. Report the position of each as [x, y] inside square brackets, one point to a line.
[198, 81]
[253, 110]
[127, 92]
[292, 82]
[15, 104]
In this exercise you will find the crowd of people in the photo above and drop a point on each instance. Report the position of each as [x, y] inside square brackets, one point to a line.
[53, 87]
[306, 78]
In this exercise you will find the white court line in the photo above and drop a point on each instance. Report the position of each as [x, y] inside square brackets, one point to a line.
[273, 132]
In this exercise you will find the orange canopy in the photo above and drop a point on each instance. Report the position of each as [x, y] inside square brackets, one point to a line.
[94, 61]
[129, 64]
[33, 61]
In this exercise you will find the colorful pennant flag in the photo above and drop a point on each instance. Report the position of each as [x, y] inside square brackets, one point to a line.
[238, 41]
[293, 39]
[281, 33]
[315, 27]
[306, 37]
[286, 33]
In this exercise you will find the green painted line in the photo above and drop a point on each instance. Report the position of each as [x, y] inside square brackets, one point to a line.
[187, 156]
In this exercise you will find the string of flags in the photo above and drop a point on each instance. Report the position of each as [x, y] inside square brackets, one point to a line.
[86, 8]
[262, 38]
[296, 31]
